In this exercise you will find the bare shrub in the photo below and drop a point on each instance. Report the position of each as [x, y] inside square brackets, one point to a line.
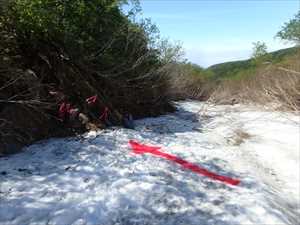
[188, 81]
[276, 86]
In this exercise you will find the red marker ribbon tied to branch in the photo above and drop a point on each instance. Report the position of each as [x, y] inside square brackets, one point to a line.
[64, 110]
[92, 100]
[104, 115]
[141, 149]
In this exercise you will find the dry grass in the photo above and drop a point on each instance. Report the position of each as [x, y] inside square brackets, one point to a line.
[183, 85]
[276, 86]
[239, 137]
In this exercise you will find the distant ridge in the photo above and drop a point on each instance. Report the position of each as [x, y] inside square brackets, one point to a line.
[223, 69]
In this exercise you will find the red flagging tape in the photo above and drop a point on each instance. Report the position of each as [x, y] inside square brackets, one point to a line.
[104, 115]
[92, 100]
[141, 149]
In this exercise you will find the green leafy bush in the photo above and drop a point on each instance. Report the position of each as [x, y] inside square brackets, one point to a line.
[291, 30]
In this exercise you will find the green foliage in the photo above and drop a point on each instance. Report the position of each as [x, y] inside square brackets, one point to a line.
[93, 31]
[244, 68]
[291, 30]
[88, 47]
[259, 50]
[170, 52]
[282, 54]
[81, 26]
[196, 71]
[260, 54]
[230, 69]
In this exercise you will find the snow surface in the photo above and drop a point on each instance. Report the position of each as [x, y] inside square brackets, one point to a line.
[95, 179]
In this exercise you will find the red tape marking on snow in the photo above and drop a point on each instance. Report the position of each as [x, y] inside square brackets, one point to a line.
[141, 149]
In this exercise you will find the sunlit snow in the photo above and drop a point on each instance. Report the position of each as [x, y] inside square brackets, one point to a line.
[96, 180]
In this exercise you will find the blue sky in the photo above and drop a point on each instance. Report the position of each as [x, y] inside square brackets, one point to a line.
[220, 30]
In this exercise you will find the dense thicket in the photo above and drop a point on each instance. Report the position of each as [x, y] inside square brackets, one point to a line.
[76, 49]
[189, 80]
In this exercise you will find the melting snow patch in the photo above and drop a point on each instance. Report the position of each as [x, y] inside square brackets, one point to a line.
[97, 180]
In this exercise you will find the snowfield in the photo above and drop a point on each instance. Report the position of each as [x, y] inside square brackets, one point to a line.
[96, 180]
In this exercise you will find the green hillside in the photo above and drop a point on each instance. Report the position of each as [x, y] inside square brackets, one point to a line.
[238, 68]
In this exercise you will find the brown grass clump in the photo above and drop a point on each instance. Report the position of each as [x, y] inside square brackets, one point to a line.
[239, 137]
